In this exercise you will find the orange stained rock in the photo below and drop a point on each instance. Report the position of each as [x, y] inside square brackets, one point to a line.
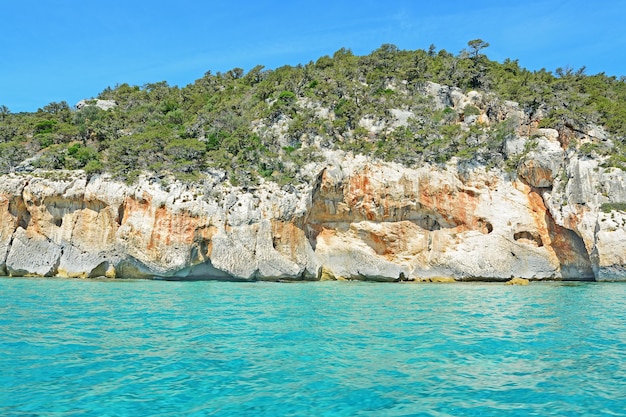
[94, 227]
[391, 239]
[360, 195]
[536, 174]
[538, 210]
[558, 240]
[563, 245]
[456, 206]
[287, 237]
[203, 237]
[327, 234]
[167, 227]
[9, 219]
[573, 219]
[365, 199]
[173, 228]
[205, 232]
[141, 205]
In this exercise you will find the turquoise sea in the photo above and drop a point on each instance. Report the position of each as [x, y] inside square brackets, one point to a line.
[154, 348]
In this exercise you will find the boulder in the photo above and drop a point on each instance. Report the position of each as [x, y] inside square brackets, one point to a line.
[542, 164]
[518, 281]
[101, 104]
[32, 254]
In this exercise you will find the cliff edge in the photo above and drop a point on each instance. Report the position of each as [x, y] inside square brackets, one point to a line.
[547, 212]
[358, 219]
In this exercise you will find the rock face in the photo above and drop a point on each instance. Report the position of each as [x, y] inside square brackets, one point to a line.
[78, 228]
[356, 220]
[101, 104]
[353, 218]
[541, 165]
[384, 222]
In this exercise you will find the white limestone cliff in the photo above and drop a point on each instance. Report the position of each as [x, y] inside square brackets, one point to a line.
[360, 220]
[355, 218]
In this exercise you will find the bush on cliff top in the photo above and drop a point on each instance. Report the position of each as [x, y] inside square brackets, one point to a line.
[268, 123]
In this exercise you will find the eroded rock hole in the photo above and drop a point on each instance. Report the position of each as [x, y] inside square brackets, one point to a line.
[312, 231]
[528, 237]
[485, 227]
[18, 209]
[120, 213]
[428, 223]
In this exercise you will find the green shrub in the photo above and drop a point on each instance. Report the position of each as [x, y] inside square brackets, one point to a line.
[471, 110]
[227, 120]
[45, 126]
[609, 207]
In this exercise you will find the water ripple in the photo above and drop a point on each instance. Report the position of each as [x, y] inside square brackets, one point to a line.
[322, 349]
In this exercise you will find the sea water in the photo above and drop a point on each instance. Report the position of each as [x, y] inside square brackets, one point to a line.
[152, 348]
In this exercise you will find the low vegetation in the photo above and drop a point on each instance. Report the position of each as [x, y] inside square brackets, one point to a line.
[269, 123]
[609, 207]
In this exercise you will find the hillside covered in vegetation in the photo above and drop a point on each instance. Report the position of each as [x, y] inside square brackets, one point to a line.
[398, 165]
[269, 123]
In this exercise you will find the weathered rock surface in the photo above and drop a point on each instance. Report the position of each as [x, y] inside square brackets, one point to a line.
[32, 254]
[354, 219]
[541, 165]
[518, 281]
[101, 104]
[358, 220]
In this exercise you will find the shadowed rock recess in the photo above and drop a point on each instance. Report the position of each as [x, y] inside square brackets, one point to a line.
[347, 217]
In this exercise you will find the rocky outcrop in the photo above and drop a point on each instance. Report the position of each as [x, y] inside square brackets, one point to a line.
[385, 222]
[358, 219]
[578, 203]
[518, 281]
[78, 228]
[101, 104]
[349, 218]
[542, 164]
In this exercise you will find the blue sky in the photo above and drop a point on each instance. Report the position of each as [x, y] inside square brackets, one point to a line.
[69, 50]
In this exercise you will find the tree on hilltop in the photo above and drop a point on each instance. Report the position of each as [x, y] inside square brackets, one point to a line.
[4, 112]
[477, 45]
